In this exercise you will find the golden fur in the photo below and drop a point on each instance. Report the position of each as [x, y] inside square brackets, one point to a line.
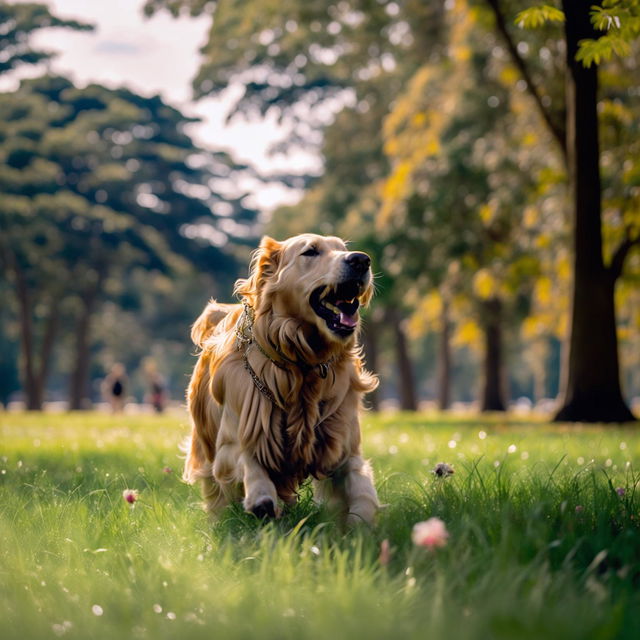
[259, 446]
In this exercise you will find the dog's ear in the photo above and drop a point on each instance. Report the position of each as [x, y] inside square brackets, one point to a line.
[264, 265]
[266, 260]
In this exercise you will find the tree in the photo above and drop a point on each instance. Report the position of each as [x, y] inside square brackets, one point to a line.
[453, 138]
[18, 23]
[592, 390]
[292, 57]
[96, 181]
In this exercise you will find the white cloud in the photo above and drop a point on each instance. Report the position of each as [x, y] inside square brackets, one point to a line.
[150, 55]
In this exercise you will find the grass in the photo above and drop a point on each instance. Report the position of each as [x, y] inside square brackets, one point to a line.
[543, 521]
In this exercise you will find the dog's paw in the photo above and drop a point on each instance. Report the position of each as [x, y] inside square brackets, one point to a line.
[358, 521]
[263, 508]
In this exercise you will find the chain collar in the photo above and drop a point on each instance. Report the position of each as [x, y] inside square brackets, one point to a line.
[244, 326]
[245, 338]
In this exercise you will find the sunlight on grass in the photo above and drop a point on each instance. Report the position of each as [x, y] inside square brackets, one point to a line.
[543, 524]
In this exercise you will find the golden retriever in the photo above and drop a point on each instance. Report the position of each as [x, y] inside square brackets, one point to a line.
[276, 392]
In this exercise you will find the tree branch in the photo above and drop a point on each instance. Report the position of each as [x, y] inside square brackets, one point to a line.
[557, 131]
[621, 253]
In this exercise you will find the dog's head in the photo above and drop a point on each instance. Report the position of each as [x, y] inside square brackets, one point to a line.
[313, 278]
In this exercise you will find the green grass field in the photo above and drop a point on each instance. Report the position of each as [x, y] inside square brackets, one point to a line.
[543, 521]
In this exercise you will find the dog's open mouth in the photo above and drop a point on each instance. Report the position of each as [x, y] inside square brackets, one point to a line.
[338, 306]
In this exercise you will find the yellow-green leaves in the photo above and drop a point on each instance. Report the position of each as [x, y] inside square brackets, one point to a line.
[534, 17]
[619, 20]
[602, 49]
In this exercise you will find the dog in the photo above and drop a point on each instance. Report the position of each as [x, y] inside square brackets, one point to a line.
[276, 392]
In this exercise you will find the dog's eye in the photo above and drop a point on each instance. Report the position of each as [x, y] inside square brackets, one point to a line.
[311, 252]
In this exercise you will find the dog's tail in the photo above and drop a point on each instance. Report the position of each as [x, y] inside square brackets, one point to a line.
[209, 319]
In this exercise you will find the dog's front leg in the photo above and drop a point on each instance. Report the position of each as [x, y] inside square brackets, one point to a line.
[349, 492]
[360, 494]
[260, 495]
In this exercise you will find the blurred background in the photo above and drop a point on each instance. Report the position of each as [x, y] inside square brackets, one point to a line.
[145, 147]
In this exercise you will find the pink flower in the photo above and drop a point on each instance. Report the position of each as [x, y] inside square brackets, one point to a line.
[385, 553]
[431, 533]
[579, 508]
[130, 495]
[620, 491]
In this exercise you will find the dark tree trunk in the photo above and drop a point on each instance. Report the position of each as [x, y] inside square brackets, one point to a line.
[36, 371]
[78, 388]
[370, 345]
[406, 384]
[78, 391]
[444, 360]
[34, 395]
[592, 387]
[48, 342]
[493, 378]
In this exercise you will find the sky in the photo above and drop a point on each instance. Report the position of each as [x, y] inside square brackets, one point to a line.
[160, 55]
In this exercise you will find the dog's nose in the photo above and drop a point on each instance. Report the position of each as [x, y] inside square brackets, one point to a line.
[358, 261]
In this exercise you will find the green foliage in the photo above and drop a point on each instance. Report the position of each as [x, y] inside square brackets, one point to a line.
[537, 16]
[622, 15]
[93, 153]
[621, 21]
[18, 23]
[456, 138]
[293, 56]
[178, 7]
[541, 543]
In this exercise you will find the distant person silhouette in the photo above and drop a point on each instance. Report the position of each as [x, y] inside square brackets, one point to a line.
[157, 396]
[115, 388]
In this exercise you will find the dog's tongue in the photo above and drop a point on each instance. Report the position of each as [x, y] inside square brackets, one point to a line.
[347, 320]
[348, 312]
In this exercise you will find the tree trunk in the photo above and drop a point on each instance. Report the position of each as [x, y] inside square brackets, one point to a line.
[370, 345]
[406, 384]
[48, 341]
[33, 393]
[78, 389]
[444, 360]
[592, 387]
[539, 369]
[493, 382]
[34, 374]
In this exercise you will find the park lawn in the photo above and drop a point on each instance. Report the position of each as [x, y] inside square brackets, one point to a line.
[543, 521]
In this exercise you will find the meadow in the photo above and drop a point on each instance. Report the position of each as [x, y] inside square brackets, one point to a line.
[543, 521]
